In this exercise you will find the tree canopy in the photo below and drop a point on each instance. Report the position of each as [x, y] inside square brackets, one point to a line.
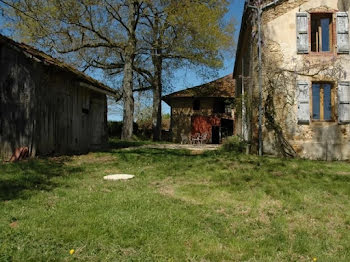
[134, 39]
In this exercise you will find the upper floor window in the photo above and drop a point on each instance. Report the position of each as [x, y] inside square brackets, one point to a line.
[219, 106]
[196, 104]
[321, 33]
[316, 32]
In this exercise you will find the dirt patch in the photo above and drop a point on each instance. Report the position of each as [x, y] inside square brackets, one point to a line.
[169, 187]
[90, 158]
[342, 173]
[167, 190]
[14, 224]
[195, 149]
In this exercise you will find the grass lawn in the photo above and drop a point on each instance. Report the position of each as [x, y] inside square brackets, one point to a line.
[217, 206]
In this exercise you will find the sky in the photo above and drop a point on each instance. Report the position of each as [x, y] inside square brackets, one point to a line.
[184, 78]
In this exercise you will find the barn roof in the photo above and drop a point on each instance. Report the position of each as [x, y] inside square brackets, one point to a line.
[40, 56]
[222, 87]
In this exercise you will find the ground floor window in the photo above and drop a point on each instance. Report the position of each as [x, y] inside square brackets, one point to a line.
[322, 101]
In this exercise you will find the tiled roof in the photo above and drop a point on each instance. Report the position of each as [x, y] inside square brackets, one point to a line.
[222, 87]
[50, 61]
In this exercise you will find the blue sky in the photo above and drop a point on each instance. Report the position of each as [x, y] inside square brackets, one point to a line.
[186, 78]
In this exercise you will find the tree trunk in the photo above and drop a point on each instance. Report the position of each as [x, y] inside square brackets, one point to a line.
[129, 56]
[157, 103]
[128, 99]
[157, 82]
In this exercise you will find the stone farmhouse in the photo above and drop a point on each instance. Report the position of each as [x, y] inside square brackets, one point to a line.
[204, 110]
[48, 106]
[305, 78]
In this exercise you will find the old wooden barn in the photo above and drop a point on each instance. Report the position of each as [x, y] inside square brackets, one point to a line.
[47, 105]
[205, 110]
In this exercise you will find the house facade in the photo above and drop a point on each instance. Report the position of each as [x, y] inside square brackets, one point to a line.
[205, 109]
[305, 78]
[48, 106]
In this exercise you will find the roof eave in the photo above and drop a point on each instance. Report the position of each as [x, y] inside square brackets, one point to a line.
[98, 89]
[240, 37]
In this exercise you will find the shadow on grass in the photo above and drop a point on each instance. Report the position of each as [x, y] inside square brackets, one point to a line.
[23, 179]
[157, 153]
[116, 143]
[120, 144]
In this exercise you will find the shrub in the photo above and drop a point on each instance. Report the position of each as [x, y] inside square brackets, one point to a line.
[115, 128]
[234, 144]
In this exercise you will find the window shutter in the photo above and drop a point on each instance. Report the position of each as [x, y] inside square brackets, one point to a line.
[343, 32]
[302, 33]
[303, 102]
[344, 102]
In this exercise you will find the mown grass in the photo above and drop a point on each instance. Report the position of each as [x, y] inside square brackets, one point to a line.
[217, 206]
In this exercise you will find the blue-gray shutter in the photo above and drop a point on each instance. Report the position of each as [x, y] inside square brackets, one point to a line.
[303, 95]
[302, 26]
[344, 102]
[343, 33]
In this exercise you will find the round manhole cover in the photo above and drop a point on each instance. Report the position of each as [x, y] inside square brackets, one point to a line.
[118, 177]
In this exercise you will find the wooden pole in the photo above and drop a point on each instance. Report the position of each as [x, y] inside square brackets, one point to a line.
[260, 79]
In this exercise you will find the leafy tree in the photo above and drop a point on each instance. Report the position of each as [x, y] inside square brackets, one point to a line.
[128, 36]
[182, 32]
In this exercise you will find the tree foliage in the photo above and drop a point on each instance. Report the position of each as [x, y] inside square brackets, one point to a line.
[136, 40]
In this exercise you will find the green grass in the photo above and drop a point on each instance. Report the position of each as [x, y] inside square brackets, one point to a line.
[217, 206]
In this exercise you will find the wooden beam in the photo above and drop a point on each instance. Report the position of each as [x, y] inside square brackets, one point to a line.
[96, 89]
[320, 37]
[322, 102]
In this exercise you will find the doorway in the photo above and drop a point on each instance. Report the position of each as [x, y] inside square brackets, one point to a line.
[215, 134]
[226, 127]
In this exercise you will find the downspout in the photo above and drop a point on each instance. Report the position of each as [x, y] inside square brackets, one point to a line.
[259, 8]
[260, 80]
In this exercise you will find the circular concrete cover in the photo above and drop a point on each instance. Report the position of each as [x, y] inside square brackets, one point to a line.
[118, 177]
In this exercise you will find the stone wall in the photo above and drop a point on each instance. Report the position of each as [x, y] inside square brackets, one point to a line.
[283, 68]
[182, 113]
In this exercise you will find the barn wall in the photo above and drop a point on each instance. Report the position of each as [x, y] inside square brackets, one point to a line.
[46, 109]
[72, 120]
[17, 89]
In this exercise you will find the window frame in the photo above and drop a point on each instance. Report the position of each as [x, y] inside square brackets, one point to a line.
[333, 102]
[333, 26]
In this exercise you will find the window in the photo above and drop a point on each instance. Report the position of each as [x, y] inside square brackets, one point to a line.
[219, 106]
[321, 32]
[322, 105]
[196, 104]
[85, 101]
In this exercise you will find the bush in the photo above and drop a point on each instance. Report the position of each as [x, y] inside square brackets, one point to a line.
[234, 144]
[115, 128]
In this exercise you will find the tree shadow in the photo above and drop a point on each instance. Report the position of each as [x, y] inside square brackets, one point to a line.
[157, 153]
[120, 144]
[22, 180]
